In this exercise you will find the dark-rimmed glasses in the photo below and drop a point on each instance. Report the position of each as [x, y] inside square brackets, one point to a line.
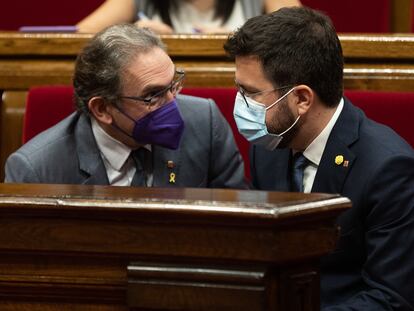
[174, 87]
[245, 94]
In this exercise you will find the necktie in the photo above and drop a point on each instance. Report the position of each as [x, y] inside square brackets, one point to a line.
[298, 165]
[143, 163]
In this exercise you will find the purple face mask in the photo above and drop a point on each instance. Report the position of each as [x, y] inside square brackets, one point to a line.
[163, 127]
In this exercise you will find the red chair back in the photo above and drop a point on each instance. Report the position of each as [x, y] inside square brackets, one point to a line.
[46, 106]
[372, 16]
[395, 109]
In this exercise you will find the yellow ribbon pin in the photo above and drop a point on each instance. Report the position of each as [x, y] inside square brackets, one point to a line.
[172, 178]
[339, 159]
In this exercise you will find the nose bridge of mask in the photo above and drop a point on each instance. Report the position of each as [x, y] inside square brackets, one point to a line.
[252, 104]
[279, 99]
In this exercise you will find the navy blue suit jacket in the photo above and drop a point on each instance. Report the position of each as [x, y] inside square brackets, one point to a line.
[373, 265]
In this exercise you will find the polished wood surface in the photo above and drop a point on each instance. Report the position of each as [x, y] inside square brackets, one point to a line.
[73, 247]
[33, 59]
[372, 62]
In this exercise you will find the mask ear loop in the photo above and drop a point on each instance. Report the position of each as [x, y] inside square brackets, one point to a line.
[294, 123]
[124, 113]
[290, 127]
[116, 126]
[290, 91]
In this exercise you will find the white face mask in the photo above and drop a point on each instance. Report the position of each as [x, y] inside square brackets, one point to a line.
[251, 121]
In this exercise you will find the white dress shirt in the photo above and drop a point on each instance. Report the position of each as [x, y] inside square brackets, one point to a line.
[187, 17]
[120, 167]
[315, 150]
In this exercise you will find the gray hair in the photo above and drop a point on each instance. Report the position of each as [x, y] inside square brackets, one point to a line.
[99, 66]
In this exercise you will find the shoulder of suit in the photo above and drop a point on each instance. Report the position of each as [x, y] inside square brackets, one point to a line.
[195, 104]
[189, 99]
[52, 134]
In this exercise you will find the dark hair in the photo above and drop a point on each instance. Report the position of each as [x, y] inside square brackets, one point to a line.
[99, 66]
[295, 45]
[222, 9]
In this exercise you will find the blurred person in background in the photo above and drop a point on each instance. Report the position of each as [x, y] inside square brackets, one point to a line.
[180, 16]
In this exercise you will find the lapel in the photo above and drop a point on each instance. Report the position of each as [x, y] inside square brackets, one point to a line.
[166, 167]
[282, 176]
[90, 161]
[337, 158]
[272, 168]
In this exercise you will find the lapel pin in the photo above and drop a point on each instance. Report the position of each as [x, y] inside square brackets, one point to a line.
[346, 163]
[339, 159]
[172, 178]
[170, 164]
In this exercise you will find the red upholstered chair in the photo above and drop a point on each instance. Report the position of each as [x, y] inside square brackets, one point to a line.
[46, 106]
[395, 109]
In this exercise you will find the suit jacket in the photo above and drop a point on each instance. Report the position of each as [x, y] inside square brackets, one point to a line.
[373, 265]
[68, 154]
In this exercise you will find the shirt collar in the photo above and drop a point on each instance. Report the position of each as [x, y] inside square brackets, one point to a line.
[315, 150]
[115, 152]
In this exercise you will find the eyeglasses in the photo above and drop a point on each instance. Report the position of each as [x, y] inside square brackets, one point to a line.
[174, 87]
[245, 94]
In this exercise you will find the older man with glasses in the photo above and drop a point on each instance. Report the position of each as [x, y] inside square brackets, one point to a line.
[132, 128]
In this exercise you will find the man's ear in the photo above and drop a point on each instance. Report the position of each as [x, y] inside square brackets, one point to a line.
[304, 98]
[99, 108]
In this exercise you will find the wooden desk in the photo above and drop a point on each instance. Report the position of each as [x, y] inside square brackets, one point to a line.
[66, 247]
[372, 62]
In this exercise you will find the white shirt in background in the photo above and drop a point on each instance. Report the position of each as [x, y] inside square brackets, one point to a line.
[186, 18]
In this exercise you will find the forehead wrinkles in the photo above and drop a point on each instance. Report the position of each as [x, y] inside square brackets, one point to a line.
[153, 67]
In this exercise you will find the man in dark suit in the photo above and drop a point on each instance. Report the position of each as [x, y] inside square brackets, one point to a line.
[131, 126]
[306, 137]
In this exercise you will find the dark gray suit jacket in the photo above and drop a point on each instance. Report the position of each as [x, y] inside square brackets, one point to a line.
[373, 265]
[68, 154]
